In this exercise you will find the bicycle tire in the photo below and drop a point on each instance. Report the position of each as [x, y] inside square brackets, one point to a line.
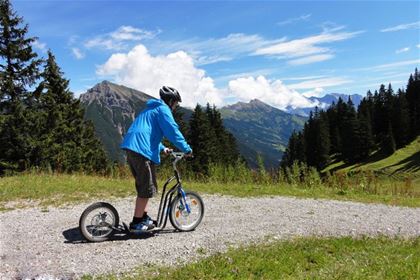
[84, 225]
[176, 212]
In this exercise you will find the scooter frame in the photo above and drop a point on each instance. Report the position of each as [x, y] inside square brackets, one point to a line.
[165, 201]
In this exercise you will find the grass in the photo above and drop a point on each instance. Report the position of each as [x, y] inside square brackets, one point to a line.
[301, 258]
[404, 162]
[46, 189]
[59, 189]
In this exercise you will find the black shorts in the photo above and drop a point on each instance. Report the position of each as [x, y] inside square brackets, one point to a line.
[144, 172]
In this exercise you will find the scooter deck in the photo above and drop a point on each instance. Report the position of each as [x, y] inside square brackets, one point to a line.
[127, 229]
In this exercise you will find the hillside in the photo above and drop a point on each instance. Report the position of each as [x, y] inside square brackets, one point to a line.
[260, 129]
[405, 161]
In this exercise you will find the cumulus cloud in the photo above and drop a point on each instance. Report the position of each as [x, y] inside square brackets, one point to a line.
[274, 92]
[142, 71]
[317, 92]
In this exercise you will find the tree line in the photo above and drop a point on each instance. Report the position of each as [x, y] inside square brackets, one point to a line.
[41, 123]
[212, 144]
[383, 122]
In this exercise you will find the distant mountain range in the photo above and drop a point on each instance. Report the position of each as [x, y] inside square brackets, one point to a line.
[258, 127]
[324, 102]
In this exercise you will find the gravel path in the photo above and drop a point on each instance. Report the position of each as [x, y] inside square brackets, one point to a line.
[35, 243]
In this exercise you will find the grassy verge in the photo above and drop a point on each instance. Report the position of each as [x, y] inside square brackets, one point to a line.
[411, 199]
[45, 189]
[301, 258]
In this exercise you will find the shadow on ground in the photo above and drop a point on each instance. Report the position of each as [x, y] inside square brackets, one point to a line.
[74, 236]
[410, 164]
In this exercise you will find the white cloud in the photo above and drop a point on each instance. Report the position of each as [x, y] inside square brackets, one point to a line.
[310, 59]
[418, 46]
[309, 47]
[292, 20]
[413, 25]
[218, 49]
[302, 78]
[402, 50]
[142, 71]
[40, 46]
[320, 83]
[390, 66]
[117, 39]
[274, 93]
[317, 92]
[305, 46]
[78, 54]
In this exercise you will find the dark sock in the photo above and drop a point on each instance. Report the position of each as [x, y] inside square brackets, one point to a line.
[137, 220]
[145, 215]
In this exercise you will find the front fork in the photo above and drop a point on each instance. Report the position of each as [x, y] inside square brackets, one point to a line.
[184, 199]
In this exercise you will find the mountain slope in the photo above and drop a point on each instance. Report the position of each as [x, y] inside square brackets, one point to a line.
[405, 161]
[260, 129]
[112, 108]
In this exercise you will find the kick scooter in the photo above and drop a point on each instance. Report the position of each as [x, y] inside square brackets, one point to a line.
[185, 210]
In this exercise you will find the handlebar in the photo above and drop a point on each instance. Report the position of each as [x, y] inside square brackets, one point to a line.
[178, 156]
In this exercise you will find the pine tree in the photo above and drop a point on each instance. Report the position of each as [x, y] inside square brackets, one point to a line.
[401, 120]
[227, 151]
[380, 117]
[68, 142]
[388, 143]
[323, 141]
[289, 155]
[202, 140]
[351, 146]
[413, 99]
[333, 121]
[309, 133]
[367, 143]
[19, 72]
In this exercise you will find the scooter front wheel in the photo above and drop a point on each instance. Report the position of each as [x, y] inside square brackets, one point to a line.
[98, 221]
[183, 217]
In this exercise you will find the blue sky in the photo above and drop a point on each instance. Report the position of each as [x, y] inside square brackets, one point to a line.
[227, 51]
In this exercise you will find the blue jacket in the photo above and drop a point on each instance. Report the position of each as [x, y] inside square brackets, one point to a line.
[146, 132]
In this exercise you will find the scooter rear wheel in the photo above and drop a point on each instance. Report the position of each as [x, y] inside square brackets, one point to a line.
[98, 221]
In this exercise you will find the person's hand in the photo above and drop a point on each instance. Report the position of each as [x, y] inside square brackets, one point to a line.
[189, 155]
[167, 151]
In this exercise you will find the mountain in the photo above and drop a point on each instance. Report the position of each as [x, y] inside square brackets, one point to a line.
[112, 108]
[260, 129]
[324, 102]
